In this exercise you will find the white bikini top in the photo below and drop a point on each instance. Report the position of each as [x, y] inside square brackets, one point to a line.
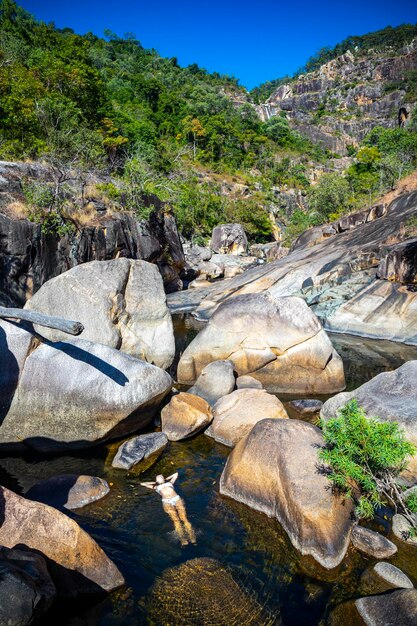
[158, 488]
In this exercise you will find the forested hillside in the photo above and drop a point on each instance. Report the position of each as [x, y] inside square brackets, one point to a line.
[108, 106]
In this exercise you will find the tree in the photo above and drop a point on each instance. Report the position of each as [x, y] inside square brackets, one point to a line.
[330, 198]
[364, 458]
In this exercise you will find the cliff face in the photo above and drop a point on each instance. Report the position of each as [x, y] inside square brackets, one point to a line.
[339, 103]
[29, 257]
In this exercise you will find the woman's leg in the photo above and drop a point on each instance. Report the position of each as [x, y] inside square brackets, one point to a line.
[173, 514]
[182, 514]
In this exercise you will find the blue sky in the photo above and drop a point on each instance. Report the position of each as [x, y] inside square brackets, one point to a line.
[254, 41]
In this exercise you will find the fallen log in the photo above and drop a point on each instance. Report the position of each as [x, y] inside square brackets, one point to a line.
[57, 323]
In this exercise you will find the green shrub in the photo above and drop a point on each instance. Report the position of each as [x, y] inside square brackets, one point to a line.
[364, 458]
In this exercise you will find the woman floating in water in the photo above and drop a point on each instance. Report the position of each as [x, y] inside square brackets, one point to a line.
[173, 505]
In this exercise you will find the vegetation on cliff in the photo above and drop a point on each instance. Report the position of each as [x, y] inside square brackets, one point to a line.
[145, 125]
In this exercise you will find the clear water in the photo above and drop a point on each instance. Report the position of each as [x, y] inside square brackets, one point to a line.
[133, 529]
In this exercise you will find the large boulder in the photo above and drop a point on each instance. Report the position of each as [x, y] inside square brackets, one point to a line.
[275, 470]
[229, 239]
[204, 591]
[236, 414]
[121, 304]
[75, 561]
[390, 396]
[184, 416]
[216, 380]
[73, 393]
[26, 588]
[280, 342]
[384, 577]
[69, 491]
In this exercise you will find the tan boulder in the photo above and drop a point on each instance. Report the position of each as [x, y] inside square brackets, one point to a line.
[236, 414]
[184, 416]
[275, 470]
[76, 562]
[279, 341]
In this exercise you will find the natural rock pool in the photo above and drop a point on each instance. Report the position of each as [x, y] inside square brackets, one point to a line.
[264, 580]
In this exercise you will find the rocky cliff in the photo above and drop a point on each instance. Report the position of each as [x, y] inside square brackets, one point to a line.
[340, 102]
[29, 257]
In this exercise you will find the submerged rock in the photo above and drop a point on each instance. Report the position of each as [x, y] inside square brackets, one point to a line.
[203, 591]
[69, 491]
[390, 396]
[75, 561]
[26, 588]
[372, 543]
[121, 304]
[73, 393]
[275, 470]
[216, 380]
[138, 449]
[306, 407]
[280, 342]
[184, 416]
[236, 414]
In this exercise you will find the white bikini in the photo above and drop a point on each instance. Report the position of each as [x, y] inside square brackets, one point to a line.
[172, 500]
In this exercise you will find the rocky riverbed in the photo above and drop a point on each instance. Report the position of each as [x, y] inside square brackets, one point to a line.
[243, 559]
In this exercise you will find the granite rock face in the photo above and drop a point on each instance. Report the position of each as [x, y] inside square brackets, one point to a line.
[121, 304]
[229, 239]
[72, 394]
[29, 258]
[264, 471]
[399, 263]
[278, 341]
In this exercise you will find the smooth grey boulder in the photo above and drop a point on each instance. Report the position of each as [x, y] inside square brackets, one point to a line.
[216, 380]
[278, 341]
[384, 577]
[248, 382]
[73, 393]
[229, 239]
[138, 449]
[208, 270]
[390, 396]
[26, 587]
[372, 543]
[75, 561]
[121, 304]
[69, 491]
[398, 608]
[274, 469]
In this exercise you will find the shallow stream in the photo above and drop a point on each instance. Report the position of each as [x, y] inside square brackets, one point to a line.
[133, 529]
